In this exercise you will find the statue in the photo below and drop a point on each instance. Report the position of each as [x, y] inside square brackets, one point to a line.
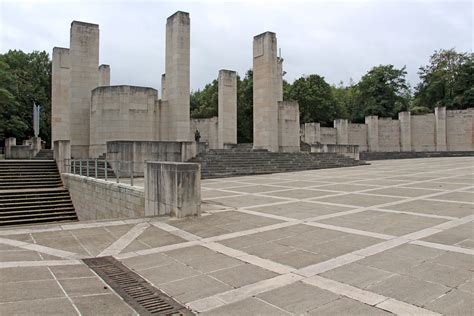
[197, 136]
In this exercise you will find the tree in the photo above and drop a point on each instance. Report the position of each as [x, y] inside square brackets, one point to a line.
[24, 78]
[447, 81]
[383, 91]
[204, 103]
[245, 108]
[315, 98]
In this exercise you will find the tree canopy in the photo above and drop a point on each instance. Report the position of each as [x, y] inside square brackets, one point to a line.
[448, 80]
[24, 78]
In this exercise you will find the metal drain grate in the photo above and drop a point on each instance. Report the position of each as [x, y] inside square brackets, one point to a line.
[138, 293]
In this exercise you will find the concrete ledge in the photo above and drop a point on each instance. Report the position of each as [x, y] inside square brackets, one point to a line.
[413, 154]
[351, 151]
[100, 199]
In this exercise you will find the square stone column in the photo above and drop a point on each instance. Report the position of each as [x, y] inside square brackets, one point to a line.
[342, 131]
[9, 142]
[312, 133]
[84, 58]
[104, 75]
[177, 83]
[372, 132]
[60, 94]
[266, 92]
[62, 155]
[405, 131]
[227, 101]
[173, 189]
[440, 117]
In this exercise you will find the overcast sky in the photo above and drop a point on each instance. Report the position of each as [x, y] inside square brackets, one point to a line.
[335, 39]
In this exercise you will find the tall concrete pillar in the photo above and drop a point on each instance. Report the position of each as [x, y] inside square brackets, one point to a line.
[104, 75]
[342, 131]
[60, 94]
[405, 130]
[265, 92]
[177, 75]
[227, 104]
[84, 57]
[440, 117]
[372, 132]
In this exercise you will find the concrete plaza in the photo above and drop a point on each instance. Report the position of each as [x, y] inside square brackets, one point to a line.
[393, 237]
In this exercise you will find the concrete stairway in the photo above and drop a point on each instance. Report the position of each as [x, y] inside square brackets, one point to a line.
[227, 163]
[32, 192]
[44, 154]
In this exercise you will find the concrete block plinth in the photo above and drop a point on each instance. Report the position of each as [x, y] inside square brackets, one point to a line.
[62, 155]
[172, 188]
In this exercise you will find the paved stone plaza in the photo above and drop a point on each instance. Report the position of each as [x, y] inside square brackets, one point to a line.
[396, 236]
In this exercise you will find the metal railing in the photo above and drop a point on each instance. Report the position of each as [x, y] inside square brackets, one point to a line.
[108, 170]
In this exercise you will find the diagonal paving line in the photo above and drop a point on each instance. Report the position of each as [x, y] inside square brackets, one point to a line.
[122, 243]
[310, 273]
[39, 248]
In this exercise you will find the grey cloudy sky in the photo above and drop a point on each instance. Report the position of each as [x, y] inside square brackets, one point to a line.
[336, 39]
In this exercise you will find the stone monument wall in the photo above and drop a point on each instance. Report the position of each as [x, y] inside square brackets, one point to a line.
[445, 130]
[121, 113]
[208, 129]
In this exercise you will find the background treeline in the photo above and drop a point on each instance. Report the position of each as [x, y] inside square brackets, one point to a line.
[447, 80]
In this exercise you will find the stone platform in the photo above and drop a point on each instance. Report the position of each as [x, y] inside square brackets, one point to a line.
[393, 237]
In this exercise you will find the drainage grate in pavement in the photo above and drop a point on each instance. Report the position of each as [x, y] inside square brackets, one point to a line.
[138, 293]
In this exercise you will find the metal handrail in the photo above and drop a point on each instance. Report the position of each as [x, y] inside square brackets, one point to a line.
[93, 167]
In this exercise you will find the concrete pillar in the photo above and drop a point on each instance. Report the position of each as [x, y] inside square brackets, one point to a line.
[265, 92]
[104, 75]
[9, 142]
[35, 145]
[177, 86]
[372, 132]
[60, 94]
[312, 133]
[172, 188]
[84, 57]
[227, 101]
[288, 126]
[405, 131]
[62, 155]
[440, 117]
[342, 131]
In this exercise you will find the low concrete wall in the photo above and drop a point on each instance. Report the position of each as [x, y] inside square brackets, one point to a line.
[21, 152]
[413, 154]
[351, 151]
[98, 199]
[141, 151]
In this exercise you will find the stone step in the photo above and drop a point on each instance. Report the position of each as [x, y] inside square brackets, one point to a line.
[32, 192]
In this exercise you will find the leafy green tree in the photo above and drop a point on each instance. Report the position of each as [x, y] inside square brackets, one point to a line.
[24, 78]
[316, 100]
[448, 81]
[383, 91]
[245, 108]
[204, 103]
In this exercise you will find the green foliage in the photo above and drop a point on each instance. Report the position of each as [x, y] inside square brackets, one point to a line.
[204, 102]
[383, 91]
[245, 108]
[447, 81]
[24, 78]
[316, 100]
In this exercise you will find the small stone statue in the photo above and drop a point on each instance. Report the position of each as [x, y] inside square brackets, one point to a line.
[197, 136]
